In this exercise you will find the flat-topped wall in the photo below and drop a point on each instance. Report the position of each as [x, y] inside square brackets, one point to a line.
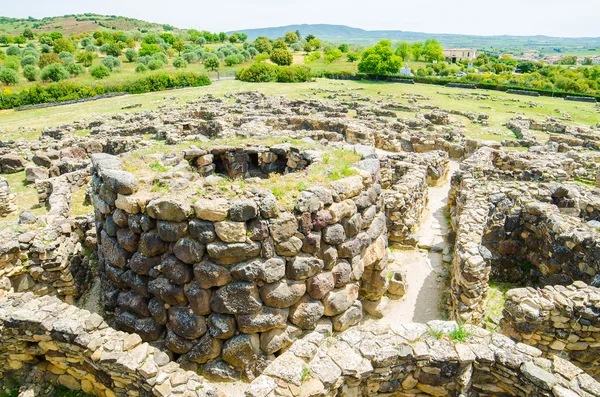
[418, 360]
[238, 279]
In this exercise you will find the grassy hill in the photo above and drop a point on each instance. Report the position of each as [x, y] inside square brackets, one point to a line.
[341, 33]
[68, 24]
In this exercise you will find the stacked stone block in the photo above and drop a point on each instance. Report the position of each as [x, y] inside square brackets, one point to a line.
[237, 280]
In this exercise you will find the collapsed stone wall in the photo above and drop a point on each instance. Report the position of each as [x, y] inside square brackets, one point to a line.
[48, 260]
[8, 201]
[409, 360]
[238, 279]
[558, 320]
[78, 350]
[542, 233]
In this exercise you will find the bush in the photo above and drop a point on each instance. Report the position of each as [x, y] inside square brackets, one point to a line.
[200, 41]
[130, 54]
[13, 50]
[212, 63]
[9, 76]
[45, 49]
[55, 72]
[85, 58]
[62, 44]
[30, 72]
[28, 60]
[66, 57]
[190, 57]
[30, 52]
[111, 62]
[112, 50]
[179, 63]
[161, 56]
[75, 69]
[48, 59]
[232, 60]
[264, 73]
[86, 41]
[144, 60]
[161, 81]
[155, 64]
[281, 57]
[150, 49]
[99, 71]
[91, 48]
[140, 67]
[12, 62]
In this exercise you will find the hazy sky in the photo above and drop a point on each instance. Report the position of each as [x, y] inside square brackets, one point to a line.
[568, 18]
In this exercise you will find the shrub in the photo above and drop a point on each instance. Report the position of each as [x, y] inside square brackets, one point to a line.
[264, 73]
[30, 52]
[232, 60]
[45, 49]
[62, 44]
[281, 57]
[200, 41]
[111, 62]
[212, 63]
[66, 57]
[9, 76]
[312, 57]
[99, 71]
[150, 49]
[293, 74]
[85, 58]
[353, 56]
[13, 50]
[112, 50]
[12, 62]
[179, 63]
[28, 60]
[48, 59]
[91, 48]
[161, 56]
[86, 41]
[130, 54]
[54, 72]
[190, 57]
[30, 72]
[144, 60]
[155, 64]
[140, 67]
[75, 69]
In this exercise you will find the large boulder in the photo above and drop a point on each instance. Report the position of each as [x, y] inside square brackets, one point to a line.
[12, 163]
[283, 293]
[166, 209]
[236, 298]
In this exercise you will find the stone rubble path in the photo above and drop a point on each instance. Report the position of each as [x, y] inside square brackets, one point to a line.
[424, 266]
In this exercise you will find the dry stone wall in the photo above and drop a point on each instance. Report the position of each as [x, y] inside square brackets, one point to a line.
[227, 283]
[408, 360]
[77, 349]
[558, 320]
[8, 202]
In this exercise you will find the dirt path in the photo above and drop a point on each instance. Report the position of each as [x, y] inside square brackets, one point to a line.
[424, 267]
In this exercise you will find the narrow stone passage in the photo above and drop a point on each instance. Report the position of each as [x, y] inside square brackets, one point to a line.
[424, 266]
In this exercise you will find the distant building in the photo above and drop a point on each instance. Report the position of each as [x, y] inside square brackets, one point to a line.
[454, 55]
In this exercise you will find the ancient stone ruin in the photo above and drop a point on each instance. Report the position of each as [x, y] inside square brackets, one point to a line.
[249, 245]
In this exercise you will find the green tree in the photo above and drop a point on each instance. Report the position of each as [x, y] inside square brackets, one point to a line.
[280, 44]
[150, 49]
[344, 48]
[281, 57]
[587, 61]
[111, 63]
[290, 37]
[99, 72]
[55, 72]
[212, 63]
[85, 58]
[62, 45]
[112, 50]
[130, 54]
[417, 51]
[331, 54]
[380, 59]
[30, 72]
[48, 59]
[263, 44]
[433, 51]
[9, 76]
[222, 37]
[315, 44]
[178, 46]
[28, 34]
[403, 50]
[179, 63]
[353, 56]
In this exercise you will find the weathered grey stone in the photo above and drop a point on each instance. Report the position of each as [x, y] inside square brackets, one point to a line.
[221, 326]
[347, 319]
[283, 227]
[334, 234]
[214, 210]
[283, 293]
[171, 231]
[207, 348]
[231, 253]
[265, 319]
[289, 247]
[340, 300]
[167, 291]
[231, 232]
[188, 250]
[166, 209]
[303, 267]
[198, 298]
[151, 244]
[241, 349]
[201, 230]
[210, 275]
[320, 284]
[236, 298]
[306, 312]
[243, 210]
[121, 182]
[175, 270]
[269, 270]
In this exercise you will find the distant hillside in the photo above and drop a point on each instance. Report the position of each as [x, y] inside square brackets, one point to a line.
[348, 34]
[68, 24]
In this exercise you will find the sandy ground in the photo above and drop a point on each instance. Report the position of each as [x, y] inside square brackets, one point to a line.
[424, 267]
